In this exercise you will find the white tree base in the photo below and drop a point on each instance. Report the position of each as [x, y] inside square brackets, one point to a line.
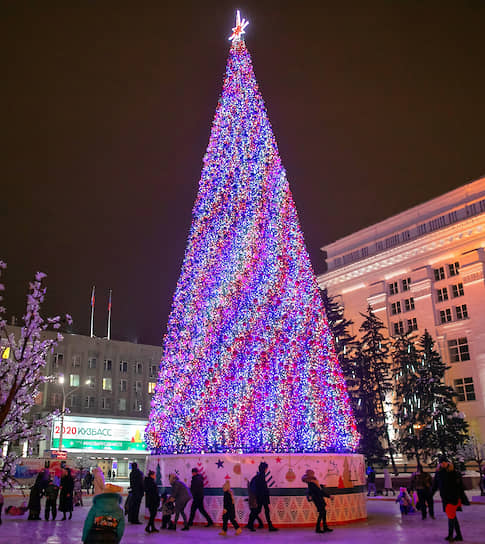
[342, 474]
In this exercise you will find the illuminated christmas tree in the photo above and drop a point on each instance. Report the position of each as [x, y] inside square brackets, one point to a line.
[248, 365]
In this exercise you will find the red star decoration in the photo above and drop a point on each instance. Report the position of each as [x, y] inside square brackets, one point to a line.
[278, 459]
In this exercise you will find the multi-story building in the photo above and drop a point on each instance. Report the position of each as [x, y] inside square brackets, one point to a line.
[107, 388]
[424, 269]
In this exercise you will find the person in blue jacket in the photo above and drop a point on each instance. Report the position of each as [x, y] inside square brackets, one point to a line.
[105, 522]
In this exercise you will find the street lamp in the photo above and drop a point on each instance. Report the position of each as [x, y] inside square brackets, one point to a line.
[64, 397]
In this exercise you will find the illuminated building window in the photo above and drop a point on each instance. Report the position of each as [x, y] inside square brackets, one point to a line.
[454, 269]
[393, 288]
[406, 284]
[107, 384]
[439, 273]
[458, 350]
[74, 380]
[442, 294]
[464, 389]
[445, 315]
[151, 387]
[409, 304]
[395, 308]
[92, 382]
[461, 312]
[412, 324]
[458, 290]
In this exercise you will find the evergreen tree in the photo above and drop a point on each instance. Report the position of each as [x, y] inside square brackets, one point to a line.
[449, 429]
[375, 383]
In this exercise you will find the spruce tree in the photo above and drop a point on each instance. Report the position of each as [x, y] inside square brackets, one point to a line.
[375, 383]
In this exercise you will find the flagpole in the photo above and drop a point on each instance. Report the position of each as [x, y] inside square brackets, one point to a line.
[92, 312]
[109, 316]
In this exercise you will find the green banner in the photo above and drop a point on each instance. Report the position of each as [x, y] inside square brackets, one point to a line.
[108, 445]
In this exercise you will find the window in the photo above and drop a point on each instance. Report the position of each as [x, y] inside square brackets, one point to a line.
[89, 402]
[108, 365]
[153, 371]
[76, 361]
[412, 324]
[92, 362]
[73, 401]
[445, 315]
[92, 382]
[409, 304]
[137, 405]
[454, 269]
[393, 290]
[458, 290]
[74, 380]
[442, 294]
[399, 327]
[139, 368]
[123, 366]
[461, 312]
[57, 361]
[105, 403]
[395, 308]
[55, 400]
[439, 273]
[406, 283]
[464, 389]
[121, 405]
[151, 387]
[107, 384]
[458, 350]
[123, 386]
[138, 387]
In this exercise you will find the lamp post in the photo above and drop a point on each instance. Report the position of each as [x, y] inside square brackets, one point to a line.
[64, 397]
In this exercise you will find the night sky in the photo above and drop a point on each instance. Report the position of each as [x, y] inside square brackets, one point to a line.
[107, 107]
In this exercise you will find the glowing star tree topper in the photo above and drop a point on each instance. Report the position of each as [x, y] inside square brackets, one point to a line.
[248, 360]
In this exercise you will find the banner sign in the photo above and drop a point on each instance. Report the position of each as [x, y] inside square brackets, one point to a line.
[100, 434]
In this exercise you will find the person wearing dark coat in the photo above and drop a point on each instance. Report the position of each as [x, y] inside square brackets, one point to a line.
[317, 495]
[180, 495]
[260, 488]
[197, 490]
[34, 501]
[51, 493]
[450, 485]
[229, 512]
[66, 495]
[253, 509]
[152, 501]
[422, 482]
[137, 491]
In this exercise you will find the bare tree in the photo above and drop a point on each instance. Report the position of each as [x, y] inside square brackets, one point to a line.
[23, 358]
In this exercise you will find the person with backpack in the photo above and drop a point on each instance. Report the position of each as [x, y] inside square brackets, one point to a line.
[260, 488]
[197, 490]
[105, 523]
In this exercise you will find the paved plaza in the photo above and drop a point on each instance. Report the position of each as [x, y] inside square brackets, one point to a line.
[384, 526]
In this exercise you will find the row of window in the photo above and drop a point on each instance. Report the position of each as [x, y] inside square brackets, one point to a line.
[408, 306]
[398, 326]
[394, 286]
[454, 314]
[453, 270]
[456, 290]
[105, 403]
[58, 362]
[107, 383]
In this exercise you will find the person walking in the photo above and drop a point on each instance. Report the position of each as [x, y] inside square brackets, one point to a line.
[105, 522]
[253, 509]
[98, 481]
[450, 485]
[371, 481]
[66, 494]
[51, 493]
[229, 511]
[317, 495]
[423, 483]
[88, 482]
[180, 495]
[152, 501]
[388, 482]
[137, 491]
[197, 490]
[260, 488]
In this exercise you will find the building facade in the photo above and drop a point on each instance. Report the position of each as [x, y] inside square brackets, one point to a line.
[107, 388]
[424, 269]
